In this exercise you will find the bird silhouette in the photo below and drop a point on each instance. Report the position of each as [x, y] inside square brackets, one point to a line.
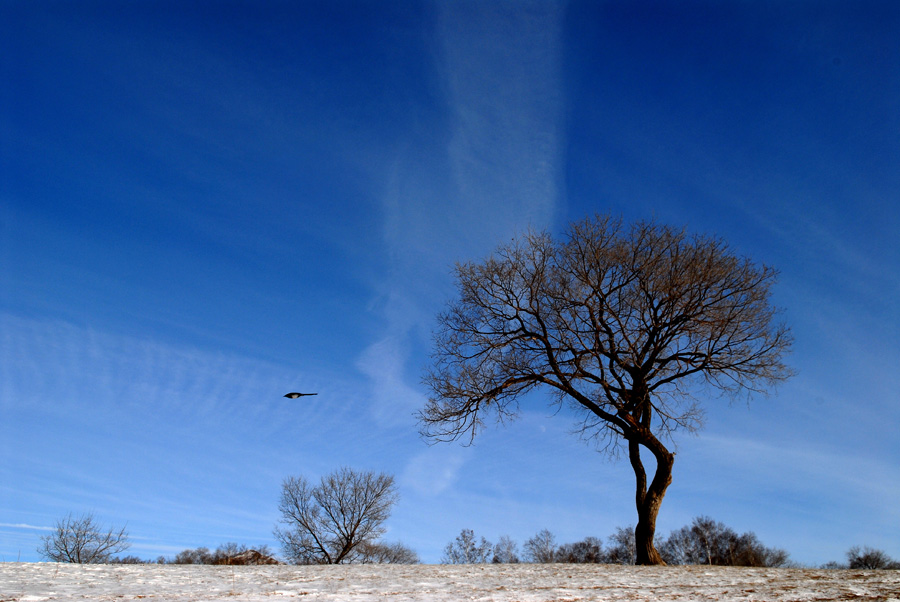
[295, 395]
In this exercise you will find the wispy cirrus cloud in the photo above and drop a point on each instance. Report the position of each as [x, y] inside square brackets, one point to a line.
[498, 172]
[383, 362]
[26, 527]
[501, 65]
[434, 470]
[139, 429]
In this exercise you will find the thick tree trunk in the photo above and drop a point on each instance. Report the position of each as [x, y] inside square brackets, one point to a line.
[644, 550]
[648, 499]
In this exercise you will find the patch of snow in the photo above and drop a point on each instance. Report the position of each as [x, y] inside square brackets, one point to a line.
[40, 582]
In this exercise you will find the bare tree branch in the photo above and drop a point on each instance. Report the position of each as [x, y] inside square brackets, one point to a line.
[82, 540]
[629, 324]
[336, 521]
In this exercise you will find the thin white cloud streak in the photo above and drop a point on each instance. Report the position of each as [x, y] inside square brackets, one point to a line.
[501, 66]
[832, 476]
[57, 369]
[498, 174]
[431, 472]
[58, 365]
[140, 429]
[26, 527]
[383, 363]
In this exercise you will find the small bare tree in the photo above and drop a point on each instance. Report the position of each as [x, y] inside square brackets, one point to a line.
[541, 548]
[386, 553]
[328, 523]
[505, 551]
[625, 324]
[82, 540]
[866, 557]
[587, 551]
[706, 541]
[465, 549]
[200, 555]
[621, 546]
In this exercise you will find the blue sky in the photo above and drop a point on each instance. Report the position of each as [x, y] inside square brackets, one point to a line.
[206, 205]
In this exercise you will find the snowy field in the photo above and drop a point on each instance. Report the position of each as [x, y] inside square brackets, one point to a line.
[357, 583]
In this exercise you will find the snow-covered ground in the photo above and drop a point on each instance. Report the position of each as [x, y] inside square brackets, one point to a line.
[356, 583]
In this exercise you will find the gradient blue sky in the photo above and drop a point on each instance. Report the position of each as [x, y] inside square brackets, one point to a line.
[206, 205]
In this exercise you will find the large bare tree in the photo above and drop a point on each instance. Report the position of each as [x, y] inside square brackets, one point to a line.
[81, 540]
[337, 521]
[629, 324]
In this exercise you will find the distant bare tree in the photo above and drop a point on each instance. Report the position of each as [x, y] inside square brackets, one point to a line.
[832, 565]
[587, 551]
[194, 556]
[866, 557]
[465, 549]
[626, 324]
[128, 560]
[541, 548]
[328, 523]
[621, 548]
[230, 553]
[82, 540]
[505, 551]
[386, 553]
[706, 541]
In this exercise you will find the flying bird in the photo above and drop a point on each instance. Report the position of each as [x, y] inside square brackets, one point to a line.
[295, 395]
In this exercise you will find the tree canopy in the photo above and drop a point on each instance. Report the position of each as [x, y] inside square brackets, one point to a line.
[627, 324]
[339, 520]
[82, 540]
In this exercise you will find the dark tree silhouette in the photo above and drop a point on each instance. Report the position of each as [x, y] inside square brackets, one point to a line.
[386, 553]
[230, 553]
[866, 557]
[627, 324]
[200, 555]
[706, 541]
[587, 551]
